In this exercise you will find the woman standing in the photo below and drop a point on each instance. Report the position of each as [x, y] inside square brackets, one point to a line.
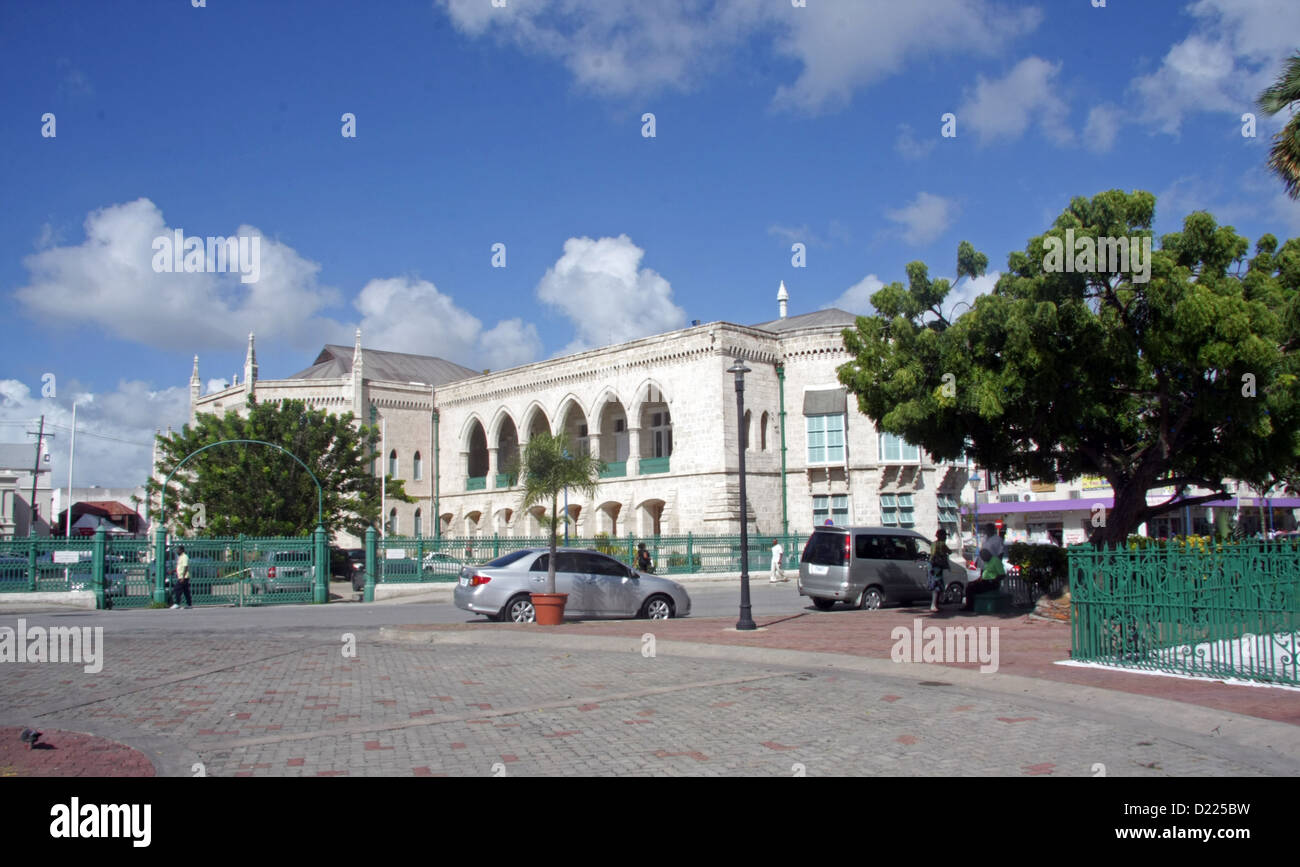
[939, 555]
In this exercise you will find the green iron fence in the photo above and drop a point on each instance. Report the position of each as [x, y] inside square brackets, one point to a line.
[418, 560]
[1227, 610]
[223, 571]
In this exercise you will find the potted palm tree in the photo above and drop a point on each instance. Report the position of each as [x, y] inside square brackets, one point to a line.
[548, 466]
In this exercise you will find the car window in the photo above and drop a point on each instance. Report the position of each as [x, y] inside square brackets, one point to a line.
[540, 564]
[865, 548]
[507, 559]
[568, 561]
[898, 547]
[599, 564]
[824, 549]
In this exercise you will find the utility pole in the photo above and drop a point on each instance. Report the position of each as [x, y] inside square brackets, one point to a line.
[36, 470]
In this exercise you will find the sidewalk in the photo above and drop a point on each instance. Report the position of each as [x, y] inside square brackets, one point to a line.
[1028, 648]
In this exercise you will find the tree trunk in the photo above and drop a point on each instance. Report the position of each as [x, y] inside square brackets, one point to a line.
[1123, 518]
[550, 561]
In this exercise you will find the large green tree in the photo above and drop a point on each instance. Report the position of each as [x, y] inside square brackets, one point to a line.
[1284, 155]
[260, 491]
[1185, 378]
[548, 466]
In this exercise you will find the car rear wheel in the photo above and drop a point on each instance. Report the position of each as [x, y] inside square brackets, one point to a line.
[519, 610]
[871, 599]
[823, 604]
[657, 608]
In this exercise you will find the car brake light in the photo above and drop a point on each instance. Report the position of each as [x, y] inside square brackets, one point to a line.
[847, 550]
[271, 572]
[476, 580]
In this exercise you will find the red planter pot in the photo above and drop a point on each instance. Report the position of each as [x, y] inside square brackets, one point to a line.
[549, 608]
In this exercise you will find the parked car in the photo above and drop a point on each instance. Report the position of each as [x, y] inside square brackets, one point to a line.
[868, 567]
[345, 561]
[78, 574]
[282, 572]
[597, 585]
[442, 563]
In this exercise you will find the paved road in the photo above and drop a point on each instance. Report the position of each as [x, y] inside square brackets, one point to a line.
[271, 692]
[708, 600]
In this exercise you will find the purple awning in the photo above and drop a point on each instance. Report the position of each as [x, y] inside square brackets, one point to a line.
[1086, 505]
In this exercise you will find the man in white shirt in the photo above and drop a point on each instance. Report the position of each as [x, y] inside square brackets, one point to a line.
[778, 574]
[992, 541]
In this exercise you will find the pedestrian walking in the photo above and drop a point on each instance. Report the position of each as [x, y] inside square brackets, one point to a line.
[939, 566]
[778, 573]
[182, 580]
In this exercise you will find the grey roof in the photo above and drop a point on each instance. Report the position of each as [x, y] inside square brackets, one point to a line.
[335, 362]
[831, 316]
[16, 456]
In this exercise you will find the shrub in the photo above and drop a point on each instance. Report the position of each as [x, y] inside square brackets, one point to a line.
[1039, 564]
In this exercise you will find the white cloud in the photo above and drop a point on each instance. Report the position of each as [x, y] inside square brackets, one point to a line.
[840, 45]
[1102, 128]
[115, 429]
[925, 218]
[109, 281]
[910, 147]
[402, 314]
[601, 287]
[1234, 52]
[844, 45]
[857, 298]
[1005, 108]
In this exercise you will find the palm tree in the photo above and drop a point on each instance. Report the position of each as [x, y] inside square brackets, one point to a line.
[1284, 157]
[547, 467]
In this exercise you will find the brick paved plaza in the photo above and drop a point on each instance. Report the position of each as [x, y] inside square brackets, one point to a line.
[485, 699]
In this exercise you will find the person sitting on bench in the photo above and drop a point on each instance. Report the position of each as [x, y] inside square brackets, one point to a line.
[989, 581]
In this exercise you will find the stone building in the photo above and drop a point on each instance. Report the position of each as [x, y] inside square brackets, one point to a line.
[660, 411]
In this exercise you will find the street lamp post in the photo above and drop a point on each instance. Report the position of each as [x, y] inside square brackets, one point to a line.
[746, 621]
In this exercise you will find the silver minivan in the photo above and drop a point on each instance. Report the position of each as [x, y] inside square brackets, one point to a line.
[868, 567]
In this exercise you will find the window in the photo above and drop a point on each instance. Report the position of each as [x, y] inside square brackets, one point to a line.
[744, 431]
[825, 439]
[392, 463]
[583, 443]
[949, 509]
[416, 468]
[762, 433]
[894, 449]
[896, 510]
[833, 506]
[392, 523]
[661, 435]
[418, 526]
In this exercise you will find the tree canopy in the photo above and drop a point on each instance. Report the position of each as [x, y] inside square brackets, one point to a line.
[1183, 376]
[1284, 155]
[259, 491]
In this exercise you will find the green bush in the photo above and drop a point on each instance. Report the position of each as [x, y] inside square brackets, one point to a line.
[1039, 564]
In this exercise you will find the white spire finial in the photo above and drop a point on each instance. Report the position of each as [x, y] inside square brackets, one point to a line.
[782, 297]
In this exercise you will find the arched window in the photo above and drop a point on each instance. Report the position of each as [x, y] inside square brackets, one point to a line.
[392, 522]
[417, 469]
[418, 528]
[762, 432]
[392, 463]
[744, 433]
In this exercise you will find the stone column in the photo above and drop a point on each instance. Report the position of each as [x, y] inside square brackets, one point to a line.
[634, 451]
[492, 467]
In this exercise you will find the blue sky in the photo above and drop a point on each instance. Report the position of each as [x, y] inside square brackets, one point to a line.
[522, 125]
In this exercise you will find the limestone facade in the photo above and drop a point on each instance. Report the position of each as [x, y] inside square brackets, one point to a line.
[661, 412]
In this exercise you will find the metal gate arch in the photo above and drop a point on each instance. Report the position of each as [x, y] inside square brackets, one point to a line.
[259, 571]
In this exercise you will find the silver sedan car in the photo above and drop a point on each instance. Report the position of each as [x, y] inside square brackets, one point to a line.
[597, 584]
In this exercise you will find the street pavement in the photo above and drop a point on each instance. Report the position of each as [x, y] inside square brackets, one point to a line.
[273, 692]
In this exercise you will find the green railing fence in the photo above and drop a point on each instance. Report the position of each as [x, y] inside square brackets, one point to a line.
[441, 559]
[223, 571]
[1225, 610]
